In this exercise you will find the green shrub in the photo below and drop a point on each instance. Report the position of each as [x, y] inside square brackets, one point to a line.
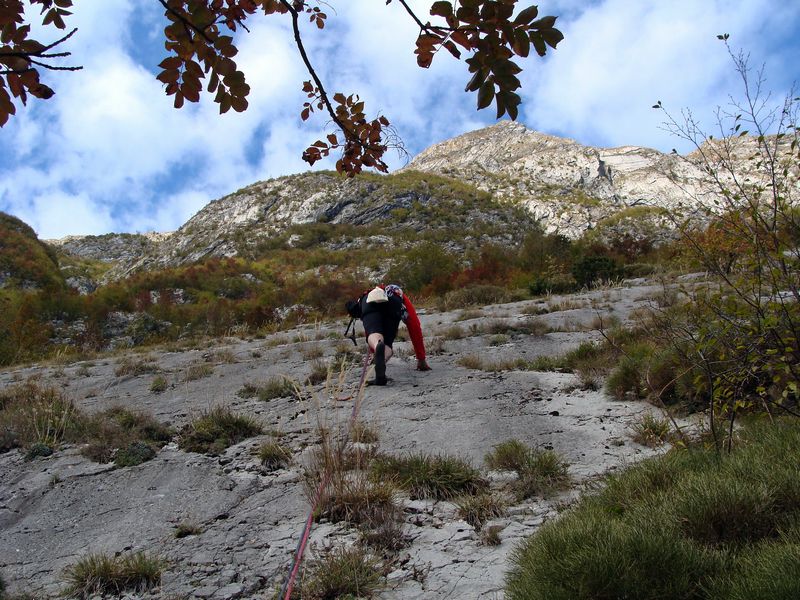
[341, 573]
[216, 430]
[690, 524]
[427, 476]
[134, 454]
[769, 573]
[511, 455]
[591, 555]
[104, 574]
[591, 269]
[38, 450]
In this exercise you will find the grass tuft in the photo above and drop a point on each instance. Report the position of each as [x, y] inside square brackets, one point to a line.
[159, 384]
[183, 530]
[478, 509]
[427, 476]
[342, 573]
[197, 371]
[692, 524]
[273, 455]
[216, 430]
[363, 433]
[650, 430]
[100, 574]
[279, 386]
[539, 471]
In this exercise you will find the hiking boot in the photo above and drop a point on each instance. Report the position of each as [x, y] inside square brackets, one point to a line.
[380, 364]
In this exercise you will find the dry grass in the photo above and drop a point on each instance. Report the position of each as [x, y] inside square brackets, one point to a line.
[197, 371]
[101, 574]
[274, 455]
[131, 367]
[312, 352]
[478, 509]
[319, 372]
[453, 332]
[650, 430]
[363, 433]
[216, 430]
[435, 346]
[279, 386]
[470, 313]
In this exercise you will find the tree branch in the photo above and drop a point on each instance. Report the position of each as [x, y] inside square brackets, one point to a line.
[349, 134]
[186, 22]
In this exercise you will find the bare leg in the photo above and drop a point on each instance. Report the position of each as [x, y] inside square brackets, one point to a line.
[373, 340]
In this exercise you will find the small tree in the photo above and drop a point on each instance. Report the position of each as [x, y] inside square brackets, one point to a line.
[740, 339]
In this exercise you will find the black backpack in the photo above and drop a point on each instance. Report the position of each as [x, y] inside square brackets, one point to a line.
[353, 308]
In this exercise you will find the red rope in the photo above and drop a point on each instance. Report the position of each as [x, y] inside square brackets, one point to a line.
[288, 586]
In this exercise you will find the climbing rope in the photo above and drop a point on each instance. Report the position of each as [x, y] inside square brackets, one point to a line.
[288, 586]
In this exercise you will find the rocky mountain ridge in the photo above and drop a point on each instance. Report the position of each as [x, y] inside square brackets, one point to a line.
[566, 187]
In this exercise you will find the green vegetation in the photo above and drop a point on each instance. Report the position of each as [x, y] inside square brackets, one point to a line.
[129, 438]
[104, 574]
[216, 430]
[273, 455]
[539, 471]
[197, 371]
[341, 572]
[25, 261]
[39, 419]
[478, 509]
[651, 430]
[159, 384]
[279, 386]
[32, 415]
[692, 524]
[426, 476]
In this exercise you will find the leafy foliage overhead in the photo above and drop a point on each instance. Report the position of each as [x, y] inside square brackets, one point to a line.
[201, 50]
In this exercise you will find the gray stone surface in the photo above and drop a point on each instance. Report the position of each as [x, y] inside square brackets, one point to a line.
[54, 510]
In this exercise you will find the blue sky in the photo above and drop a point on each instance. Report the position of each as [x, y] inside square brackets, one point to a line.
[109, 153]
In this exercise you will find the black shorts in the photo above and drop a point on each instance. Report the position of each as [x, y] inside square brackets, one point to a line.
[383, 318]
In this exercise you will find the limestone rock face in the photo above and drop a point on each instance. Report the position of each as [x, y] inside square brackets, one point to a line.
[112, 247]
[568, 186]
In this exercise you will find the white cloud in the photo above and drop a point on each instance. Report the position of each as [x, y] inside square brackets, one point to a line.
[619, 57]
[109, 152]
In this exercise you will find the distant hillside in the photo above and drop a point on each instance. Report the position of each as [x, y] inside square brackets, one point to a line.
[399, 210]
[25, 261]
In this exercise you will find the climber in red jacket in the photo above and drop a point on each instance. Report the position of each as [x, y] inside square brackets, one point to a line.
[381, 311]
